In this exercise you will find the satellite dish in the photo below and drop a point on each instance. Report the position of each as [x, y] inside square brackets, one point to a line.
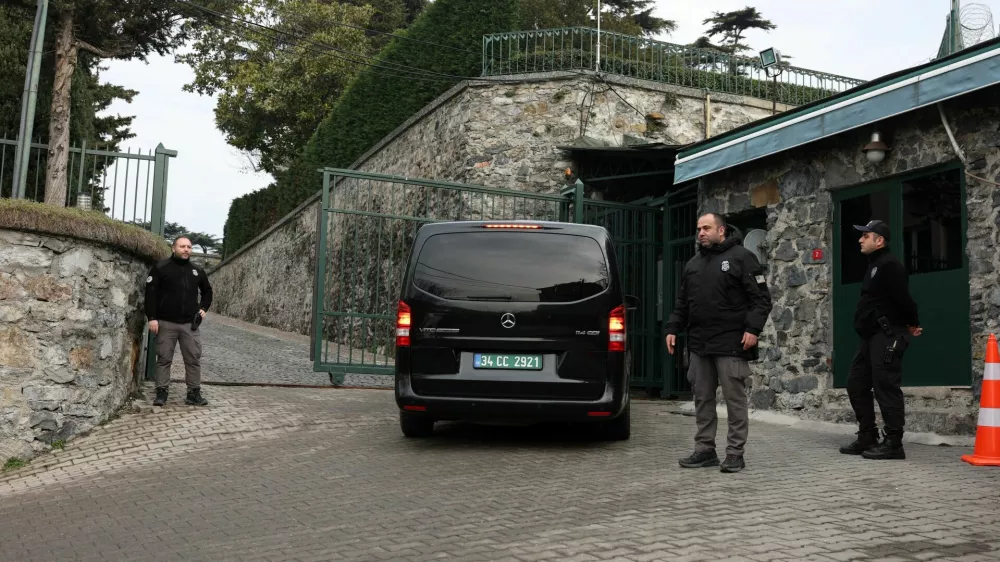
[753, 241]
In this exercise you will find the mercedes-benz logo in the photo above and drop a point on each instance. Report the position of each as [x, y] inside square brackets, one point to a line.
[507, 320]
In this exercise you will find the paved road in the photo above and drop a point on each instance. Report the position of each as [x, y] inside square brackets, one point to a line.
[239, 352]
[324, 474]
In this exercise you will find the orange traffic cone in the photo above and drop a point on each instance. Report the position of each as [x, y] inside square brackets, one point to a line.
[987, 449]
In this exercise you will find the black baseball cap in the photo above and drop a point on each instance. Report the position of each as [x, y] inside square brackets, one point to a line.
[876, 226]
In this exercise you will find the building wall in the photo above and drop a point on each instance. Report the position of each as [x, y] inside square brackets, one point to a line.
[498, 135]
[795, 187]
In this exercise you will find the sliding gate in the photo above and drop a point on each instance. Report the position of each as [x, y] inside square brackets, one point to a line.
[366, 225]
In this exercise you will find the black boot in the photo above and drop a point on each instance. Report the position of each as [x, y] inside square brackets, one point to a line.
[700, 460]
[194, 398]
[864, 442]
[733, 463]
[890, 448]
[161, 397]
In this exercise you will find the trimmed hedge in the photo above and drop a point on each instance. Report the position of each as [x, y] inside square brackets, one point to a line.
[378, 102]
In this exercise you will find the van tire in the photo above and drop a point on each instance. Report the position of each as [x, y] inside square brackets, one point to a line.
[619, 428]
[415, 426]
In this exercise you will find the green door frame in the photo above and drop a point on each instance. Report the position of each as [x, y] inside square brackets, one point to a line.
[892, 185]
[674, 384]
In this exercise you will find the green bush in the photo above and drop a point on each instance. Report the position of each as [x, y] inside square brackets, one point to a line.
[378, 102]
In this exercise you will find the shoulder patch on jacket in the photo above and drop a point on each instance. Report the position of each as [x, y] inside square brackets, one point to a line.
[760, 279]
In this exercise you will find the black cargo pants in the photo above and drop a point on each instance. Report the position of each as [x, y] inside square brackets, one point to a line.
[869, 372]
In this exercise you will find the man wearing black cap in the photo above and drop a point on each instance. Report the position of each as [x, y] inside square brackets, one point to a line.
[886, 314]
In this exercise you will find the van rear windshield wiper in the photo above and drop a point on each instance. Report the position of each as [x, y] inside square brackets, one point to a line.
[491, 298]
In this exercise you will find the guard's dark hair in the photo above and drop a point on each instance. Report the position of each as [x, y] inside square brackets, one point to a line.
[719, 221]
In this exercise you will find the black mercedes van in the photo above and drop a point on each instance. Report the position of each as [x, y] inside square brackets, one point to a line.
[513, 321]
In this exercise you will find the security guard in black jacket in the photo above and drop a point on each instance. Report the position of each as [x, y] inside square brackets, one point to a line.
[885, 319]
[175, 313]
[723, 302]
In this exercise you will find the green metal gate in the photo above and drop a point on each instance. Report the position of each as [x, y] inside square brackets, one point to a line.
[680, 219]
[633, 228]
[366, 225]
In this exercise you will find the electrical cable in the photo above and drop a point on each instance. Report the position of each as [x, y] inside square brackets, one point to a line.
[958, 151]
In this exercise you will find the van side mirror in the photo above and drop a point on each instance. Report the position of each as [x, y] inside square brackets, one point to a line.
[631, 302]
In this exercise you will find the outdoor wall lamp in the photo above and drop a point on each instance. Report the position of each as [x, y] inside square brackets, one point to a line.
[876, 149]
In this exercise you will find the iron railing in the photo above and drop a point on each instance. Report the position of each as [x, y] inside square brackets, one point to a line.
[575, 48]
[126, 186]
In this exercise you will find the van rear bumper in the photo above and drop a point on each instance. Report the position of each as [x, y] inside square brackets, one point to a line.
[448, 408]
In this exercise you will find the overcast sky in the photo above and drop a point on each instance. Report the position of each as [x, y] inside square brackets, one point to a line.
[857, 38]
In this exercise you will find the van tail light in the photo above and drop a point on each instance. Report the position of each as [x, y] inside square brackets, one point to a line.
[403, 321]
[616, 329]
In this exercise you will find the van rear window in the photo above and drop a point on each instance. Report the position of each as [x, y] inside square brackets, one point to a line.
[512, 266]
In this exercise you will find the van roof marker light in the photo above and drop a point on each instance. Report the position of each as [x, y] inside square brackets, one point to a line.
[521, 226]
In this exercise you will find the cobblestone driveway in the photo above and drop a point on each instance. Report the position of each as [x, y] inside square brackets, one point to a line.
[324, 474]
[239, 352]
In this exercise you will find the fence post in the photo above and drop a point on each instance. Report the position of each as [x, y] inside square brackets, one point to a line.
[159, 203]
[578, 202]
[79, 179]
[156, 222]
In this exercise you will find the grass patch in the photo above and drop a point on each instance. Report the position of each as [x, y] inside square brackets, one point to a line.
[14, 463]
[94, 226]
[59, 444]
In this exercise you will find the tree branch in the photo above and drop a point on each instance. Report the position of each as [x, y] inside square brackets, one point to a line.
[113, 54]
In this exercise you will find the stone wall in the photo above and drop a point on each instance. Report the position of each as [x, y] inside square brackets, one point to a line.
[205, 261]
[795, 187]
[71, 325]
[497, 135]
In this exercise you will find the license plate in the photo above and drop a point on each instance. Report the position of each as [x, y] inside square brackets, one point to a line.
[507, 361]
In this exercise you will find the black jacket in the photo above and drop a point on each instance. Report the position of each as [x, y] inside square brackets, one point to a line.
[172, 288]
[884, 292]
[722, 295]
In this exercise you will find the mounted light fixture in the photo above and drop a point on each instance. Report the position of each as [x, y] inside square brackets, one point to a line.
[770, 60]
[876, 149]
[770, 57]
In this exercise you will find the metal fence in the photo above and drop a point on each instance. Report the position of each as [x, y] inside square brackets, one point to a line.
[637, 233]
[366, 226]
[575, 48]
[126, 186]
[367, 223]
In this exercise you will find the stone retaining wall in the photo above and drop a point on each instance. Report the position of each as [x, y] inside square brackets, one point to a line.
[71, 326]
[497, 135]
